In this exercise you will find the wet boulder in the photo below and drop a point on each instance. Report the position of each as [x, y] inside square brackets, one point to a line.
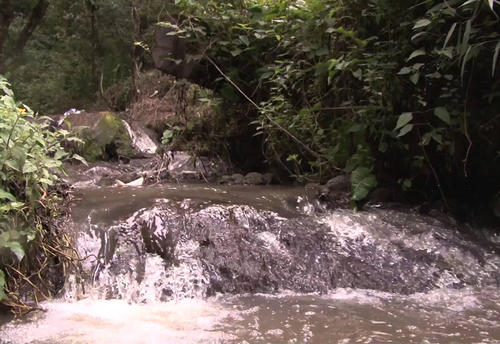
[237, 178]
[196, 249]
[254, 178]
[142, 139]
[340, 183]
[225, 179]
[184, 166]
[104, 136]
[268, 178]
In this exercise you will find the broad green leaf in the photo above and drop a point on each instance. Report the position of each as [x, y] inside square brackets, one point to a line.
[29, 167]
[468, 2]
[362, 182]
[421, 23]
[405, 130]
[60, 153]
[11, 206]
[436, 137]
[46, 181]
[443, 114]
[245, 40]
[468, 29]
[19, 157]
[420, 34]
[414, 78]
[405, 71]
[6, 195]
[79, 158]
[403, 120]
[12, 164]
[415, 54]
[450, 33]
[426, 139]
[448, 52]
[16, 248]
[495, 58]
[464, 62]
[236, 52]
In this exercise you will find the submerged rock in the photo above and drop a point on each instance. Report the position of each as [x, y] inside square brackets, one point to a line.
[225, 179]
[251, 178]
[199, 250]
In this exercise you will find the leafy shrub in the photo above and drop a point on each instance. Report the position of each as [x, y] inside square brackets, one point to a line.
[30, 156]
[384, 88]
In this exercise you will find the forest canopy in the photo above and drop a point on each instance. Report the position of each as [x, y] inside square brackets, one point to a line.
[391, 92]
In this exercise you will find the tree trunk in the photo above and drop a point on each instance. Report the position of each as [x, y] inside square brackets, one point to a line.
[6, 17]
[94, 39]
[34, 20]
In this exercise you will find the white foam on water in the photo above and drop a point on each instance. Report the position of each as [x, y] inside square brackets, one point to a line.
[187, 321]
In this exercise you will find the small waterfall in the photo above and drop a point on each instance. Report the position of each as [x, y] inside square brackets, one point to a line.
[192, 248]
[219, 264]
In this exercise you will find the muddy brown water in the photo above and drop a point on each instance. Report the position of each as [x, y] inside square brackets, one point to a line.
[342, 316]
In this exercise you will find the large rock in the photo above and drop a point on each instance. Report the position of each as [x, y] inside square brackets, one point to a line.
[141, 138]
[104, 134]
[340, 183]
[183, 166]
[191, 249]
[254, 178]
[108, 137]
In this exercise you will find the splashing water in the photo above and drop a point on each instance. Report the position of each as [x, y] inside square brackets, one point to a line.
[198, 264]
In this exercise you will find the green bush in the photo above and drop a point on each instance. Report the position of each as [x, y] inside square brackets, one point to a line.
[403, 92]
[30, 156]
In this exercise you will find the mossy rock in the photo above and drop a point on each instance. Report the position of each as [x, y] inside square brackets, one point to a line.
[105, 136]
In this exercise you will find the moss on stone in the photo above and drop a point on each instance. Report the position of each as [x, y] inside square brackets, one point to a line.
[106, 138]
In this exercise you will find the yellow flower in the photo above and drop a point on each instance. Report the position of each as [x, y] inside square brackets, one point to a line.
[21, 110]
[5, 111]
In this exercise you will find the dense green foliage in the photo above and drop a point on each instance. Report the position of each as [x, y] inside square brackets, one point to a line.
[410, 93]
[402, 94]
[29, 157]
[77, 48]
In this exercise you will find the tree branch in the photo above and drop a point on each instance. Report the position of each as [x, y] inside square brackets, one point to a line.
[34, 21]
[271, 120]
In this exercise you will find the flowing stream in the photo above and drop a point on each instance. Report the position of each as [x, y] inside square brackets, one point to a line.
[244, 264]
